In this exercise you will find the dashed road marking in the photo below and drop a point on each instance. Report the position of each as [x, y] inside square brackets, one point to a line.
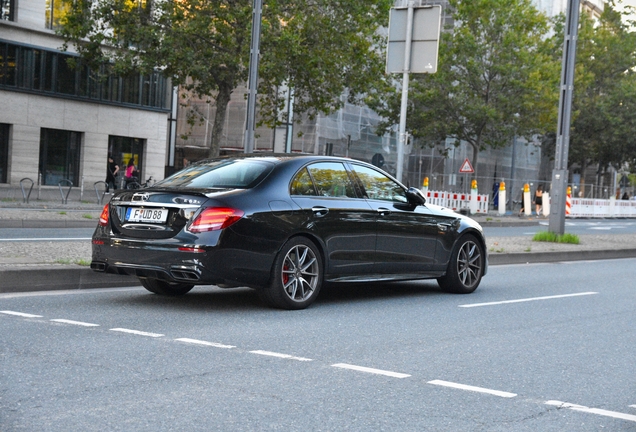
[285, 356]
[527, 299]
[371, 370]
[137, 332]
[79, 323]
[21, 314]
[596, 411]
[473, 388]
[200, 342]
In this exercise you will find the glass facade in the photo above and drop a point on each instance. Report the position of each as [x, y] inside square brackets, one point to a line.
[35, 70]
[59, 156]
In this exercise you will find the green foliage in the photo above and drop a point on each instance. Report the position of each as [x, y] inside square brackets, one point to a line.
[320, 48]
[547, 236]
[604, 102]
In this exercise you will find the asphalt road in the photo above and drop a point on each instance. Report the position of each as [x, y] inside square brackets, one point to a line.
[545, 347]
[578, 227]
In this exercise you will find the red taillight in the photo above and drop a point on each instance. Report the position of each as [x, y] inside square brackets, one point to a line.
[103, 218]
[215, 218]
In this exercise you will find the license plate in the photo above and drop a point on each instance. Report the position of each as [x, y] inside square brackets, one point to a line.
[148, 215]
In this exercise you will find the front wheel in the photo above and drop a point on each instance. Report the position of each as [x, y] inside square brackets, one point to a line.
[465, 268]
[165, 288]
[296, 276]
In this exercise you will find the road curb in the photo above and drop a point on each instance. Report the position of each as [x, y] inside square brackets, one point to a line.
[548, 257]
[34, 223]
[53, 278]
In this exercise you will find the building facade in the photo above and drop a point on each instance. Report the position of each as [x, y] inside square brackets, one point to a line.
[59, 122]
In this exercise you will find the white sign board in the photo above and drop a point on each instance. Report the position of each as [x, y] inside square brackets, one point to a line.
[424, 39]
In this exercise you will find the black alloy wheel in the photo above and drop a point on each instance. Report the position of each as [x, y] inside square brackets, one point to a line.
[296, 276]
[160, 287]
[465, 268]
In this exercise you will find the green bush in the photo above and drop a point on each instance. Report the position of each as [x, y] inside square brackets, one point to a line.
[548, 236]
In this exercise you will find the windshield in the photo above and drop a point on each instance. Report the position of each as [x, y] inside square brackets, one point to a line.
[221, 174]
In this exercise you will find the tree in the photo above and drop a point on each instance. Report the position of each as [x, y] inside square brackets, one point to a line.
[604, 101]
[320, 48]
[496, 78]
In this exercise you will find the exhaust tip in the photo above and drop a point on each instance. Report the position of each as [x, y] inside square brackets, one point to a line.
[98, 266]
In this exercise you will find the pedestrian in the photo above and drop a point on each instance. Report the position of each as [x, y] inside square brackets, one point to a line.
[111, 174]
[523, 207]
[538, 199]
[131, 172]
[625, 196]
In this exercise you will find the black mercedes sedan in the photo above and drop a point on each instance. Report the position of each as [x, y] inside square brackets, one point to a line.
[284, 225]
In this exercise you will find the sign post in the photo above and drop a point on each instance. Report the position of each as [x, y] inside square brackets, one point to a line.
[413, 47]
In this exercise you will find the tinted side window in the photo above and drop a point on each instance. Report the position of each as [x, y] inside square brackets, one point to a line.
[302, 184]
[328, 179]
[378, 186]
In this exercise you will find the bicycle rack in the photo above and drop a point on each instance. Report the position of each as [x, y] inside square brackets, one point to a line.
[100, 199]
[26, 196]
[70, 186]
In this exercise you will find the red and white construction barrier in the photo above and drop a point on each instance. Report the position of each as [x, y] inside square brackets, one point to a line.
[457, 201]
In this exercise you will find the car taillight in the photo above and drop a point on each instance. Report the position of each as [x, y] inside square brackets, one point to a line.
[103, 218]
[215, 218]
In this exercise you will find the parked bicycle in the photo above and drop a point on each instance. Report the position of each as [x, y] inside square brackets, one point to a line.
[134, 184]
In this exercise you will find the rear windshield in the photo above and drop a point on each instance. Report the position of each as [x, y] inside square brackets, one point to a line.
[221, 174]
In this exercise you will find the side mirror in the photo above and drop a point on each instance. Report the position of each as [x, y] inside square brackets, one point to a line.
[415, 196]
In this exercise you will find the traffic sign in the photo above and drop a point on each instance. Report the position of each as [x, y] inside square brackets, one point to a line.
[466, 167]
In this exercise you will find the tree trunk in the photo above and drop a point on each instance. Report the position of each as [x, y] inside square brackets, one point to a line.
[221, 102]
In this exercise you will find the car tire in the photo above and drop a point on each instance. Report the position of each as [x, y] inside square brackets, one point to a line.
[160, 287]
[296, 276]
[465, 268]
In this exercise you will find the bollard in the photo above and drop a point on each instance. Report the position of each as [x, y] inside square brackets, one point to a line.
[568, 201]
[502, 198]
[473, 197]
[527, 201]
[425, 186]
[545, 208]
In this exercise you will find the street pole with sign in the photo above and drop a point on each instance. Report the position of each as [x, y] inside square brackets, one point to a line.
[560, 172]
[413, 47]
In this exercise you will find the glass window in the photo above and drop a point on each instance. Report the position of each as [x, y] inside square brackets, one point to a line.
[7, 11]
[302, 184]
[331, 179]
[223, 174]
[56, 10]
[59, 156]
[378, 186]
[8, 64]
[4, 151]
[66, 76]
[125, 150]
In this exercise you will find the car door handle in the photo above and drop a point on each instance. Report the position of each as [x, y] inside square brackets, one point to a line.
[383, 211]
[320, 211]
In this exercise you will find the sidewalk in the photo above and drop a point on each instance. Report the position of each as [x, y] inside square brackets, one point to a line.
[55, 265]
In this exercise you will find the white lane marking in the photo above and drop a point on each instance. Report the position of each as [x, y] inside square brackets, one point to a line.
[200, 342]
[136, 332]
[597, 411]
[279, 355]
[79, 323]
[632, 406]
[21, 314]
[44, 239]
[473, 388]
[371, 370]
[527, 299]
[602, 228]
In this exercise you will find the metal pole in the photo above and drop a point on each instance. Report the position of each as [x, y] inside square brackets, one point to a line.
[560, 173]
[253, 76]
[405, 92]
